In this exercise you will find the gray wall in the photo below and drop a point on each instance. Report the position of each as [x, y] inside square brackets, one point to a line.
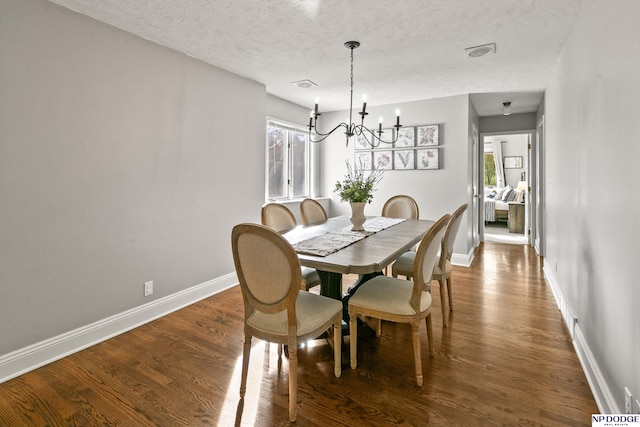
[513, 122]
[437, 191]
[120, 162]
[592, 152]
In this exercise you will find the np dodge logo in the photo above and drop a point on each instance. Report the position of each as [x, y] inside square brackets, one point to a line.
[615, 420]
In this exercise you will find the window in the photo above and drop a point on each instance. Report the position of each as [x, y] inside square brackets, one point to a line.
[489, 169]
[287, 161]
[489, 166]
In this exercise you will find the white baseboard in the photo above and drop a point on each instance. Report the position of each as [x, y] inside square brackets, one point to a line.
[461, 259]
[601, 391]
[39, 354]
[599, 387]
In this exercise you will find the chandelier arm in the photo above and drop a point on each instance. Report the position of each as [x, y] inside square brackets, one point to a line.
[325, 135]
[363, 130]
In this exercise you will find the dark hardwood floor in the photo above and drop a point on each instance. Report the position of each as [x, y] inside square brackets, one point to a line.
[505, 359]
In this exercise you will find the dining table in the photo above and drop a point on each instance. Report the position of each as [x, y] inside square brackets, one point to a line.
[373, 249]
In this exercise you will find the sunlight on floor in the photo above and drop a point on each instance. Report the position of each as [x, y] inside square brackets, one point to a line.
[257, 367]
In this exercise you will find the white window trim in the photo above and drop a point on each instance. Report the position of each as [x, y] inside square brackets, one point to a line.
[308, 162]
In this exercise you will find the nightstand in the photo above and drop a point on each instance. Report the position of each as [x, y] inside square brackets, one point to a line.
[516, 217]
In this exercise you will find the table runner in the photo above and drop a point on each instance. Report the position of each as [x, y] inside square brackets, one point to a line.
[335, 240]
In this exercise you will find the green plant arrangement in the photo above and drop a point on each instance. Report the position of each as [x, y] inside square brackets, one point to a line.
[356, 187]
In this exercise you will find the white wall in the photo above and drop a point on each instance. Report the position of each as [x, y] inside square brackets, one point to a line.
[437, 191]
[592, 213]
[121, 161]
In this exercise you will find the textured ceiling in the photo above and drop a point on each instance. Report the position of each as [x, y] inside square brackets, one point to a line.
[411, 49]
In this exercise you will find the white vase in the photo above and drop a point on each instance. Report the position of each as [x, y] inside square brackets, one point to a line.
[357, 216]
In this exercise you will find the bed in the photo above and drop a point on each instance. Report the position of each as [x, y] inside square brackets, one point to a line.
[496, 202]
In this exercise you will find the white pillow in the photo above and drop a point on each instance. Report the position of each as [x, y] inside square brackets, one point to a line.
[507, 191]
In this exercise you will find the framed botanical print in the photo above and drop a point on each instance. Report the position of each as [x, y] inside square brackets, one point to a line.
[406, 137]
[383, 159]
[386, 135]
[428, 135]
[362, 160]
[361, 141]
[427, 158]
[404, 159]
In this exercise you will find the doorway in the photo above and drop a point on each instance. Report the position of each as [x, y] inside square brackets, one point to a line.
[506, 207]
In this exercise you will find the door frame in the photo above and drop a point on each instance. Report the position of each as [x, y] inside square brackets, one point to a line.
[531, 177]
[537, 192]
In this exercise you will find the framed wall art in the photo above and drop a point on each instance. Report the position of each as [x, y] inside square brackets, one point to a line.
[513, 162]
[406, 137]
[386, 135]
[417, 147]
[361, 142]
[362, 160]
[383, 159]
[427, 158]
[404, 159]
[428, 135]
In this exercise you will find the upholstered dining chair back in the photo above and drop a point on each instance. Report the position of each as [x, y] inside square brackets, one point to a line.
[275, 310]
[452, 231]
[401, 206]
[312, 212]
[427, 256]
[268, 270]
[278, 217]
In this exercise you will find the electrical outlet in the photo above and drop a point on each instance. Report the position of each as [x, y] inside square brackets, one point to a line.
[148, 288]
[628, 400]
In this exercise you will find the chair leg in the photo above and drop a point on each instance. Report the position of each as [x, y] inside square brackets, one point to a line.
[443, 303]
[429, 334]
[353, 339]
[449, 291]
[245, 365]
[415, 331]
[337, 345]
[293, 381]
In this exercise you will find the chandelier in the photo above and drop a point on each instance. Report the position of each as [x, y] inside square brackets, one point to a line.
[351, 128]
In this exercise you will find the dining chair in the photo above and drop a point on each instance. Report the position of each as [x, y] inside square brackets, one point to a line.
[312, 212]
[275, 310]
[442, 270]
[278, 217]
[401, 206]
[400, 301]
[281, 219]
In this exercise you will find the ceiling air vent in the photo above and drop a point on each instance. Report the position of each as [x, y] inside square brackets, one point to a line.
[478, 51]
